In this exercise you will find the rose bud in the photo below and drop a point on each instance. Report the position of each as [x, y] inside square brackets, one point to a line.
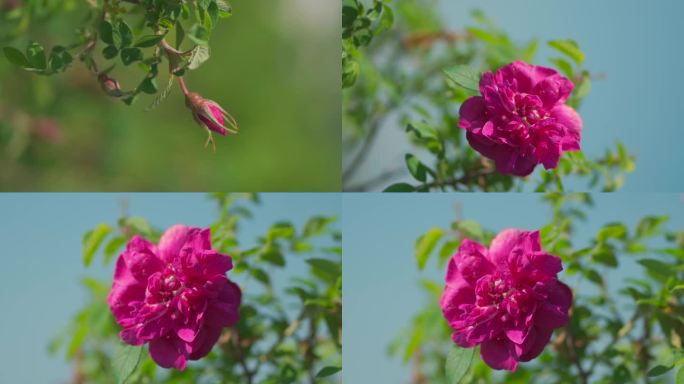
[210, 115]
[109, 85]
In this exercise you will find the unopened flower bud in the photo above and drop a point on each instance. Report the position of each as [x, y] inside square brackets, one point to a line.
[110, 85]
[210, 115]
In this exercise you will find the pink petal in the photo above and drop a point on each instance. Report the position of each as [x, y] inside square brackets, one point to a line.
[178, 236]
[224, 311]
[535, 343]
[472, 113]
[571, 120]
[503, 244]
[167, 352]
[499, 354]
[204, 342]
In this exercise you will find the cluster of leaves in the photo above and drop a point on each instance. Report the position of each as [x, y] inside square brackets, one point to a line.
[417, 73]
[627, 333]
[289, 332]
[127, 32]
[359, 25]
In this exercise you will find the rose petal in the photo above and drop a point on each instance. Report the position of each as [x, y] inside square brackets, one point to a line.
[499, 354]
[178, 236]
[167, 352]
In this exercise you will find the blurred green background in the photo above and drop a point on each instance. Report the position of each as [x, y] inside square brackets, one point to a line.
[274, 66]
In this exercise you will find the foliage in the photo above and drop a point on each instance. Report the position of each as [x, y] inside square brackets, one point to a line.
[290, 325]
[62, 132]
[630, 332]
[401, 65]
[127, 32]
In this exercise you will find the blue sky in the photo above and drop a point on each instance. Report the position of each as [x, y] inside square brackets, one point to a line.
[381, 291]
[41, 245]
[633, 43]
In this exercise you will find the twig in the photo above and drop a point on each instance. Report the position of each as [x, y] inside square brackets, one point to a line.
[363, 152]
[366, 185]
[574, 357]
[454, 183]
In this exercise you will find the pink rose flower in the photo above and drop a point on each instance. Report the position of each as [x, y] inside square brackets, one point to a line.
[506, 299]
[211, 115]
[521, 118]
[174, 296]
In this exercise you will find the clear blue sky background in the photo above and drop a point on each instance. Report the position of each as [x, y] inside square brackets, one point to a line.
[41, 252]
[634, 43]
[381, 291]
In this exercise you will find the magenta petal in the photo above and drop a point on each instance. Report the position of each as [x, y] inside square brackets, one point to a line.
[518, 334]
[204, 342]
[537, 340]
[166, 353]
[225, 312]
[504, 243]
[130, 336]
[472, 113]
[186, 334]
[499, 354]
[214, 264]
[571, 120]
[178, 236]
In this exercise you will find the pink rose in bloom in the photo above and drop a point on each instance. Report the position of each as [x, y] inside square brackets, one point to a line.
[521, 119]
[210, 115]
[174, 295]
[506, 299]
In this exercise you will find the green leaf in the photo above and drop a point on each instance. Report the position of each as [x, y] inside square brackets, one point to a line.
[400, 187]
[113, 247]
[569, 48]
[162, 95]
[448, 249]
[92, 241]
[593, 276]
[425, 244]
[273, 256]
[657, 267]
[110, 52]
[470, 228]
[180, 34]
[332, 270]
[417, 169]
[149, 85]
[224, 9]
[680, 376]
[605, 256]
[36, 56]
[107, 32]
[199, 55]
[650, 225]
[327, 371]
[213, 11]
[261, 276]
[130, 55]
[458, 363]
[126, 34]
[125, 361]
[464, 76]
[317, 225]
[16, 57]
[658, 370]
[199, 34]
[148, 41]
[614, 231]
[422, 130]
